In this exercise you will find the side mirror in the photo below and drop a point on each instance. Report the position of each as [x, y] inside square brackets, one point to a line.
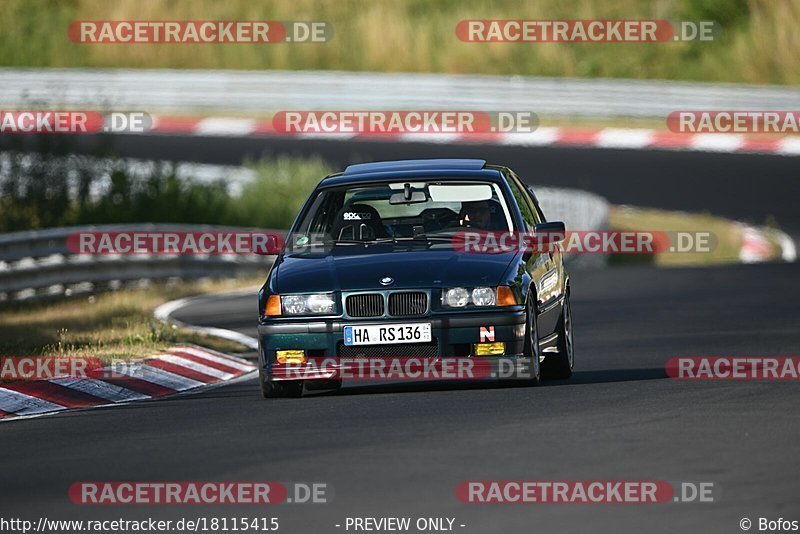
[550, 232]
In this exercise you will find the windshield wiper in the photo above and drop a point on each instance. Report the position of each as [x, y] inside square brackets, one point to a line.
[439, 237]
[352, 242]
[417, 238]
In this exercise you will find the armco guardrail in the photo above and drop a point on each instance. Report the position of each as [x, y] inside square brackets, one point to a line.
[580, 210]
[39, 265]
[265, 91]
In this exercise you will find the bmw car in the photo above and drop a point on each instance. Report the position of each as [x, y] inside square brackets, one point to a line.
[374, 266]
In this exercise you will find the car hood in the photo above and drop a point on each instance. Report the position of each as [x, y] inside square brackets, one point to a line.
[353, 268]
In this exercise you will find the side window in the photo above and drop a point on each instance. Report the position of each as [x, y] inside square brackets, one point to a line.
[325, 208]
[539, 212]
[524, 205]
[532, 204]
[537, 209]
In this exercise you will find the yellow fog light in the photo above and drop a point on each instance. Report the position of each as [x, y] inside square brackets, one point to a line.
[291, 356]
[490, 349]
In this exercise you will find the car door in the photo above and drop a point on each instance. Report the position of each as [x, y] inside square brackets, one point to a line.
[546, 269]
[537, 264]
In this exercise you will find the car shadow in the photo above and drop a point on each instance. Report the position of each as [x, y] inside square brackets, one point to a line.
[604, 376]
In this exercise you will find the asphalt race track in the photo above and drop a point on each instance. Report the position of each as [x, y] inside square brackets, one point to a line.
[401, 449]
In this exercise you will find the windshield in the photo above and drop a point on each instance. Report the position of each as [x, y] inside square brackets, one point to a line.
[404, 210]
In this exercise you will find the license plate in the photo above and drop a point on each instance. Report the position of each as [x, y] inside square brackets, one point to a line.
[385, 334]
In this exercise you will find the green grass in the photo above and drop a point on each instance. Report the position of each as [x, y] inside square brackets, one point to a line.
[760, 41]
[116, 325]
[281, 186]
[728, 235]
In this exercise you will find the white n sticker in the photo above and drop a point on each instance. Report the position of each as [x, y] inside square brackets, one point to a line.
[487, 334]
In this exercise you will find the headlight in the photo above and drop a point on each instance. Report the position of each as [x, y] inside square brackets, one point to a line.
[483, 296]
[456, 297]
[320, 303]
[459, 297]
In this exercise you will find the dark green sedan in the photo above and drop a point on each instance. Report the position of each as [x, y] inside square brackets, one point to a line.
[378, 265]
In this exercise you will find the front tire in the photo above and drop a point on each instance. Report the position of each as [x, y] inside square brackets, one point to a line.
[531, 346]
[560, 364]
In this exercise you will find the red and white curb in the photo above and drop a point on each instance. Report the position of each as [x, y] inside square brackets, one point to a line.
[180, 369]
[624, 138]
[756, 247]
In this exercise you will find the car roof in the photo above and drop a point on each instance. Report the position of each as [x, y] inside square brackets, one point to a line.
[441, 168]
[415, 164]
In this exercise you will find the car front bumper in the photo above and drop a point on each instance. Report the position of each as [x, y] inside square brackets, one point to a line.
[454, 335]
